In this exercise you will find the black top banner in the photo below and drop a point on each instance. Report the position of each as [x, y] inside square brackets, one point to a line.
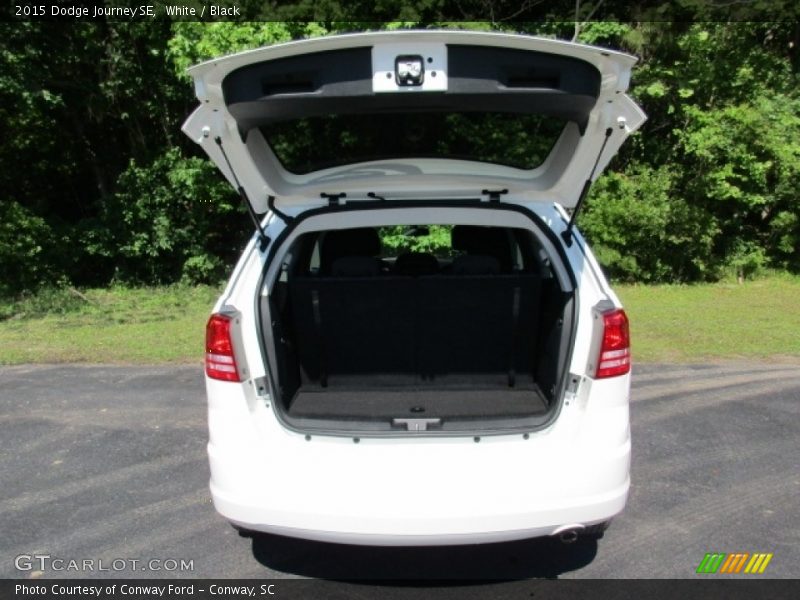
[420, 11]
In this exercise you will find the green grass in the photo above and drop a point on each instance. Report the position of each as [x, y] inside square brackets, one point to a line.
[685, 323]
[117, 325]
[669, 323]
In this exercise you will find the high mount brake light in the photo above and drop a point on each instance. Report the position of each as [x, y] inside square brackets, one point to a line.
[615, 351]
[220, 360]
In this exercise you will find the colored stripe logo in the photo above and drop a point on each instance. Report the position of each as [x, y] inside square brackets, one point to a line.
[735, 562]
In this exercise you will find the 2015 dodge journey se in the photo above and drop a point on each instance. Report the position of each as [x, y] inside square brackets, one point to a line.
[417, 346]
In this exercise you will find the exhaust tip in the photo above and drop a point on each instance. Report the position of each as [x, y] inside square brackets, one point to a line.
[568, 534]
[569, 537]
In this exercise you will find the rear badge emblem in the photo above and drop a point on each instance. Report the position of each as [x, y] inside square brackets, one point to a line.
[409, 70]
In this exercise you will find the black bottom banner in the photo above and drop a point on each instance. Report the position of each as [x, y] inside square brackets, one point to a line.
[207, 589]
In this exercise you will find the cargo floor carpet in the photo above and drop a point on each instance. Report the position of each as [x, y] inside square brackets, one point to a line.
[359, 403]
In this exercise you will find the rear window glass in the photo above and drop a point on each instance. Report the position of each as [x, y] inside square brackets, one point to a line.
[515, 248]
[311, 144]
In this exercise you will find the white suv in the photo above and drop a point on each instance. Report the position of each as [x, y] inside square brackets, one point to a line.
[366, 385]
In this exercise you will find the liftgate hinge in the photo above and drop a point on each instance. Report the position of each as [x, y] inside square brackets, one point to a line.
[333, 199]
[494, 195]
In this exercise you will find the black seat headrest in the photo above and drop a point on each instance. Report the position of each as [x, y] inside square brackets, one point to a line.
[416, 263]
[356, 266]
[485, 241]
[339, 243]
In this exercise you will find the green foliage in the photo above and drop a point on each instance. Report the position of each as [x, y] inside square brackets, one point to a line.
[641, 229]
[723, 115]
[785, 239]
[603, 33]
[402, 238]
[97, 183]
[172, 219]
[202, 268]
[746, 259]
[24, 261]
[193, 41]
[80, 102]
[745, 161]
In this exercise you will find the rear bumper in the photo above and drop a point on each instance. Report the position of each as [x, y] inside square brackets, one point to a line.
[538, 521]
[417, 492]
[420, 490]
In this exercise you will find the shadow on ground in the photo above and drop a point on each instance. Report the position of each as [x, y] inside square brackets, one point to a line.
[525, 559]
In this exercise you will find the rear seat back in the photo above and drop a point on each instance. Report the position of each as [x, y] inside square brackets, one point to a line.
[476, 264]
[476, 240]
[356, 266]
[416, 264]
[339, 244]
[429, 326]
[352, 325]
[477, 324]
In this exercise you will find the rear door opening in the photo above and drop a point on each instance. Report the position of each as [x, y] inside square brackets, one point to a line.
[466, 337]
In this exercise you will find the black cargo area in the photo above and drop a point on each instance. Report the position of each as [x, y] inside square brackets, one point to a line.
[363, 340]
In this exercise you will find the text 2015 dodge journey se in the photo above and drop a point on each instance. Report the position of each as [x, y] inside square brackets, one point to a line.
[417, 346]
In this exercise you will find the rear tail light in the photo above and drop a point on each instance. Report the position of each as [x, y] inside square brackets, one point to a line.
[615, 350]
[220, 360]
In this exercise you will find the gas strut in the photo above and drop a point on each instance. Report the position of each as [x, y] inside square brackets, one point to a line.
[567, 233]
[263, 239]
